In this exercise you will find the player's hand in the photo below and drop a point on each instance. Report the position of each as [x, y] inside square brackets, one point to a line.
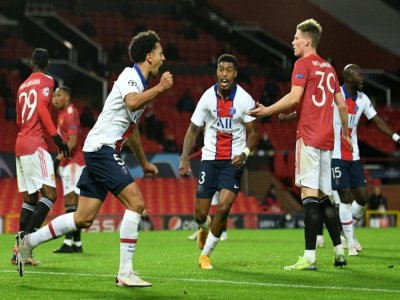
[61, 145]
[184, 167]
[349, 143]
[239, 160]
[150, 170]
[56, 164]
[166, 81]
[282, 117]
[258, 112]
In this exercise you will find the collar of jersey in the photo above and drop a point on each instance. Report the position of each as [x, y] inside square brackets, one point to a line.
[231, 95]
[347, 95]
[144, 82]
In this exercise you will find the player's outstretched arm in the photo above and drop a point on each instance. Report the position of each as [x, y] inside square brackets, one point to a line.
[291, 99]
[135, 101]
[190, 137]
[343, 113]
[384, 128]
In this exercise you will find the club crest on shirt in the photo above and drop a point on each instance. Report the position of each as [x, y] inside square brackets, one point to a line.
[232, 111]
[124, 170]
[46, 91]
[132, 83]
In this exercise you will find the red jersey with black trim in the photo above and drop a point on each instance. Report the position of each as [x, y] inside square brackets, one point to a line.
[32, 107]
[320, 83]
[69, 124]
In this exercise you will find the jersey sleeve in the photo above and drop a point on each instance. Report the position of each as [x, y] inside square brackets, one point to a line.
[299, 74]
[128, 82]
[45, 93]
[72, 122]
[369, 110]
[199, 115]
[250, 104]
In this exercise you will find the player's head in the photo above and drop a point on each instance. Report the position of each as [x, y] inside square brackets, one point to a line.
[61, 97]
[226, 71]
[40, 59]
[145, 47]
[353, 77]
[307, 37]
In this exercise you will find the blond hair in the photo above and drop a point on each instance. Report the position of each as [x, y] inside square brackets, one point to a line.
[312, 29]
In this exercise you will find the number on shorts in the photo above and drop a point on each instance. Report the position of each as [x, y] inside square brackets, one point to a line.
[336, 173]
[30, 102]
[119, 160]
[321, 86]
[202, 177]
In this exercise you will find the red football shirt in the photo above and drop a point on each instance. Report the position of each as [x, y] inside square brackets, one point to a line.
[32, 107]
[68, 124]
[320, 83]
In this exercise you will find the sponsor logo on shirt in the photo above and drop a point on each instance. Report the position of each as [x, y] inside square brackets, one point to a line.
[299, 75]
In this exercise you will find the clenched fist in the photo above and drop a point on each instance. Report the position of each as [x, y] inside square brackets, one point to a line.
[166, 81]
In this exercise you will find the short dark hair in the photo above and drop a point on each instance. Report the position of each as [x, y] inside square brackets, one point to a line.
[65, 89]
[227, 58]
[40, 57]
[142, 44]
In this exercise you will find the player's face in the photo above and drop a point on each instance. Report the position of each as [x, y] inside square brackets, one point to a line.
[60, 99]
[226, 74]
[357, 79]
[299, 43]
[156, 58]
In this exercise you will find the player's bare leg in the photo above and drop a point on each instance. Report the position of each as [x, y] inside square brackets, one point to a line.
[202, 218]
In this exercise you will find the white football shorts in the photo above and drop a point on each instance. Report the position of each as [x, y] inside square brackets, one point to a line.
[35, 170]
[313, 167]
[69, 177]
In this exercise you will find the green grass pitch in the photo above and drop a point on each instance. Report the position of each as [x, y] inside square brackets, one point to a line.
[249, 265]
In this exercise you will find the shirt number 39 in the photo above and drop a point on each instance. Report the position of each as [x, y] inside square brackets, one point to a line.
[323, 83]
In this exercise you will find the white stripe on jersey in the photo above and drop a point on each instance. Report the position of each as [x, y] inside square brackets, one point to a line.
[115, 119]
[362, 106]
[206, 115]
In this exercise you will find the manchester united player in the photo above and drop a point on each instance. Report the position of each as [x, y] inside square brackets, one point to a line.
[70, 170]
[230, 135]
[314, 89]
[35, 170]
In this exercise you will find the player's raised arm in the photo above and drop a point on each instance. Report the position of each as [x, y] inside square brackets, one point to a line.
[190, 137]
[135, 101]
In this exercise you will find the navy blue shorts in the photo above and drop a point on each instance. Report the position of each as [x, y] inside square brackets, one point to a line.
[347, 174]
[105, 171]
[215, 175]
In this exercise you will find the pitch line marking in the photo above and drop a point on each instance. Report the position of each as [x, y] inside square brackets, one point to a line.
[266, 284]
